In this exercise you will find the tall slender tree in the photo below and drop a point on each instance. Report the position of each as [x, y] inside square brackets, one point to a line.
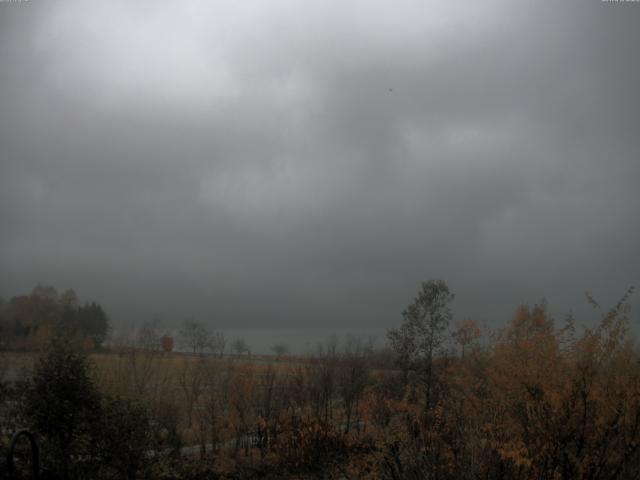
[422, 333]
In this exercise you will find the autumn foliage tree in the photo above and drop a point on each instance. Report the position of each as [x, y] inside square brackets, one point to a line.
[29, 322]
[466, 333]
[539, 402]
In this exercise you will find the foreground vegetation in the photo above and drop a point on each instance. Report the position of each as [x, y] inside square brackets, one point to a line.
[532, 400]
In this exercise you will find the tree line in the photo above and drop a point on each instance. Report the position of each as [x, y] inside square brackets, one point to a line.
[29, 322]
[534, 399]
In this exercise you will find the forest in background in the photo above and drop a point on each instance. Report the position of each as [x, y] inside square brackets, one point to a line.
[535, 399]
[31, 321]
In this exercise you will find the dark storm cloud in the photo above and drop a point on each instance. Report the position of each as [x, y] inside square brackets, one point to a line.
[281, 163]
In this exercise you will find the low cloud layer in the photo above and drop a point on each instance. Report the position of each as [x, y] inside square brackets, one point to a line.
[306, 164]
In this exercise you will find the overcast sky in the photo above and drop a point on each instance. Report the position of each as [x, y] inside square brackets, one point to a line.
[290, 163]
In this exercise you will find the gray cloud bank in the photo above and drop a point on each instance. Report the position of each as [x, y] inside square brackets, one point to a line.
[287, 163]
